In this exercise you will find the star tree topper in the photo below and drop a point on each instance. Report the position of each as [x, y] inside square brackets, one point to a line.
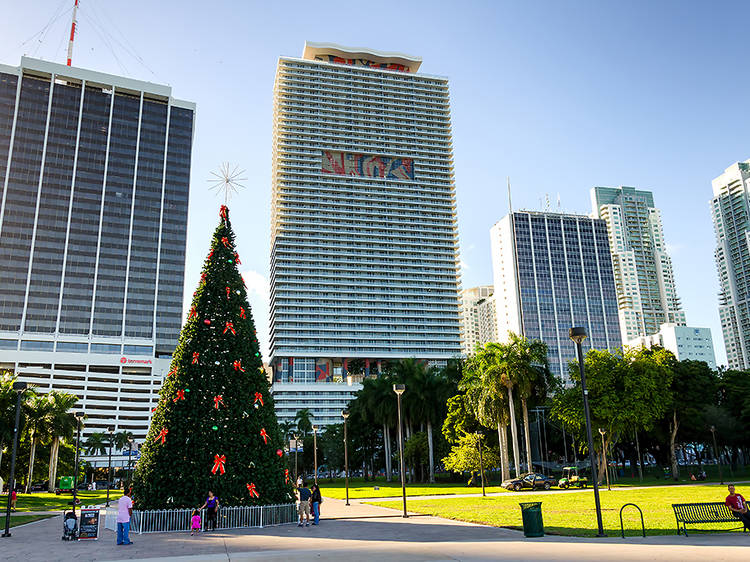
[228, 180]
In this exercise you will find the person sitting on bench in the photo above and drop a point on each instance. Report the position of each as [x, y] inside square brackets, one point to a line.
[737, 504]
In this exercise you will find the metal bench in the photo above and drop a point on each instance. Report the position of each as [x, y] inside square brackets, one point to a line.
[710, 512]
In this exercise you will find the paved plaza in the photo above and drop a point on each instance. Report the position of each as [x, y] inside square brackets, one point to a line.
[364, 532]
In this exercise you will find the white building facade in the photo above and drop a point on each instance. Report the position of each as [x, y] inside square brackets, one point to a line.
[731, 218]
[94, 173]
[473, 320]
[646, 291]
[684, 342]
[364, 258]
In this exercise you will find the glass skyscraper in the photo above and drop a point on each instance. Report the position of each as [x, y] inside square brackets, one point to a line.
[364, 263]
[553, 271]
[94, 182]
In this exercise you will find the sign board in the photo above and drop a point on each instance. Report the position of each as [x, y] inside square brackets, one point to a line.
[293, 444]
[88, 528]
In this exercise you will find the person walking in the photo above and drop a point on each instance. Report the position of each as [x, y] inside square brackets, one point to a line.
[212, 507]
[303, 509]
[316, 500]
[124, 513]
[738, 506]
[13, 500]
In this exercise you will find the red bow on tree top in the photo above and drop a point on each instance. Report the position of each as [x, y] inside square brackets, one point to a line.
[238, 366]
[219, 464]
[218, 399]
[223, 211]
[264, 435]
[258, 398]
[252, 490]
[162, 435]
[230, 327]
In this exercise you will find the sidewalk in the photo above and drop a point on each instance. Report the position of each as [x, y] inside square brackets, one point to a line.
[365, 532]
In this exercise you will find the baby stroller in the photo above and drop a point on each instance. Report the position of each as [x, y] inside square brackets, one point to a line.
[70, 532]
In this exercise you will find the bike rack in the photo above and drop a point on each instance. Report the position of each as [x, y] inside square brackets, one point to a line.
[622, 528]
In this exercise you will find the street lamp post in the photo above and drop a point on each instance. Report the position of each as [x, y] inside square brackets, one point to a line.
[110, 431]
[296, 449]
[19, 387]
[578, 335]
[315, 452]
[345, 415]
[399, 389]
[716, 453]
[481, 461]
[79, 419]
[604, 452]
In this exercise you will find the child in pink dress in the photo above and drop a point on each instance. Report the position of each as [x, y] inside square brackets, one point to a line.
[195, 523]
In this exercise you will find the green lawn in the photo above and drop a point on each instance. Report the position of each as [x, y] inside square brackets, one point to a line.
[50, 502]
[573, 513]
[358, 488]
[16, 520]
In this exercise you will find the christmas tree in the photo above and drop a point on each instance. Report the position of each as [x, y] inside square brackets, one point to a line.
[214, 427]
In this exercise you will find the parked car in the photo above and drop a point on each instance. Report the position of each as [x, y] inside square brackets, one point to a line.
[530, 480]
[38, 486]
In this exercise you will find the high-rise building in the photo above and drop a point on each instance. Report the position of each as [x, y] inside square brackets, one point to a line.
[364, 257]
[553, 271]
[646, 291]
[685, 342]
[94, 179]
[478, 319]
[729, 209]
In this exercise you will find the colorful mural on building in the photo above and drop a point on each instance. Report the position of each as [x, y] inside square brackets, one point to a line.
[366, 165]
[363, 62]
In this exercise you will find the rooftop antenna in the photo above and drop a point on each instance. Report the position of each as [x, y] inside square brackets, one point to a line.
[227, 180]
[546, 202]
[510, 203]
[72, 32]
[559, 204]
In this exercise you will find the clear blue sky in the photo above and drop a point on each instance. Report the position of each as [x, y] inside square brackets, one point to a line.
[560, 96]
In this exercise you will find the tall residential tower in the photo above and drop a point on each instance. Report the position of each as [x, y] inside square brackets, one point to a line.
[553, 271]
[363, 232]
[94, 179]
[646, 291]
[729, 210]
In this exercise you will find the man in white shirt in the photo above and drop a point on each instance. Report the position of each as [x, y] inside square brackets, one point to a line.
[124, 512]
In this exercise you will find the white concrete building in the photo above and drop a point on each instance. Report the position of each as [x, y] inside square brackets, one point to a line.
[684, 342]
[94, 180]
[731, 217]
[364, 244]
[646, 292]
[473, 321]
[487, 316]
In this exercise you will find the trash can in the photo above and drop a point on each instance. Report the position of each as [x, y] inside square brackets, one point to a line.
[531, 512]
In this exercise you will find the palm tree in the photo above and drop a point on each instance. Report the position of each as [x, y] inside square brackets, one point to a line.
[485, 393]
[377, 398]
[304, 424]
[529, 358]
[7, 408]
[121, 439]
[97, 444]
[38, 410]
[287, 428]
[62, 425]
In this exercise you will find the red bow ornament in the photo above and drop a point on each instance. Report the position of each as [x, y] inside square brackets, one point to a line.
[238, 366]
[210, 254]
[258, 398]
[264, 435]
[218, 399]
[252, 490]
[228, 291]
[180, 396]
[223, 212]
[162, 435]
[173, 371]
[242, 313]
[219, 464]
[225, 241]
[286, 475]
[193, 313]
[195, 357]
[230, 327]
[203, 277]
[237, 258]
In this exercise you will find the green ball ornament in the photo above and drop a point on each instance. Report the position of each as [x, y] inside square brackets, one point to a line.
[215, 428]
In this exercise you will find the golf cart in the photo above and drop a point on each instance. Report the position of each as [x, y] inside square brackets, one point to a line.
[570, 478]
